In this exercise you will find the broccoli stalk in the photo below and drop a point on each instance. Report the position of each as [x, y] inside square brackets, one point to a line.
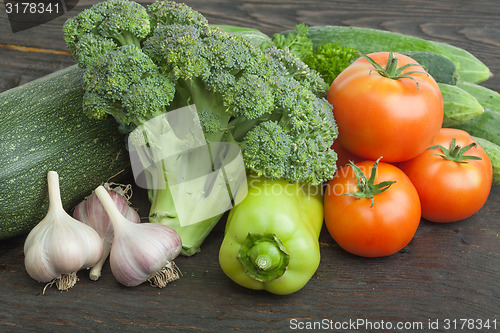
[186, 170]
[268, 103]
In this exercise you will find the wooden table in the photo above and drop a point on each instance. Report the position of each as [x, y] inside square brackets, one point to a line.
[447, 274]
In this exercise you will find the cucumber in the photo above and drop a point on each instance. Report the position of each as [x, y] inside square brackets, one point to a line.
[458, 105]
[250, 34]
[486, 126]
[442, 69]
[44, 128]
[368, 40]
[488, 98]
[493, 152]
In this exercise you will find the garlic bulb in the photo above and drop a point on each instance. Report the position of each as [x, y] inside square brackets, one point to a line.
[59, 246]
[140, 252]
[91, 212]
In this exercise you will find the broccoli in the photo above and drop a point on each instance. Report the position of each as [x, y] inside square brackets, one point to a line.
[268, 102]
[104, 27]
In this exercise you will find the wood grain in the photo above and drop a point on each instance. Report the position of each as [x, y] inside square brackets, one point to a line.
[448, 271]
[473, 26]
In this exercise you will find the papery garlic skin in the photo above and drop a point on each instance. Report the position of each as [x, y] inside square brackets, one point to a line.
[141, 251]
[61, 247]
[138, 251]
[59, 244]
[91, 212]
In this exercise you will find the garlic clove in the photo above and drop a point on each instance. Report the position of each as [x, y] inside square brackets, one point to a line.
[140, 251]
[91, 212]
[59, 246]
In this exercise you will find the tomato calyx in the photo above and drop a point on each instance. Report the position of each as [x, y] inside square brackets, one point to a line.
[391, 69]
[367, 187]
[455, 152]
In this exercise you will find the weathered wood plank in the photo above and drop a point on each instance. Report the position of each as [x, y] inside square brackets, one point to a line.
[447, 271]
[472, 26]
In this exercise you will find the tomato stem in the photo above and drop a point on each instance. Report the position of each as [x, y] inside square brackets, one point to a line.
[367, 187]
[391, 69]
[456, 152]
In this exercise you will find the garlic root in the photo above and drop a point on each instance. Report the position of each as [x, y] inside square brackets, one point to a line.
[170, 272]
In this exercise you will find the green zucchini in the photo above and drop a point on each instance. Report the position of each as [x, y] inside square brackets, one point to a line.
[368, 40]
[44, 128]
[486, 126]
[493, 152]
[458, 105]
[488, 98]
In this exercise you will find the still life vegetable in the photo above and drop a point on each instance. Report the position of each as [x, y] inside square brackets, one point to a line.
[371, 209]
[279, 100]
[271, 237]
[366, 40]
[140, 63]
[386, 105]
[140, 251]
[59, 246]
[91, 212]
[453, 176]
[44, 129]
[456, 70]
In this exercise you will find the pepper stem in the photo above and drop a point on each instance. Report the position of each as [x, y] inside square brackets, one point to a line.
[367, 187]
[263, 256]
[455, 152]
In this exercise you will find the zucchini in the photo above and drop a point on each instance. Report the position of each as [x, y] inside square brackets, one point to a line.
[486, 126]
[493, 152]
[488, 98]
[369, 40]
[458, 105]
[44, 128]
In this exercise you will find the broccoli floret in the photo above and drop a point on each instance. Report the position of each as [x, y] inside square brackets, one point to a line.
[167, 13]
[105, 26]
[250, 96]
[293, 67]
[268, 149]
[128, 85]
[179, 50]
[266, 101]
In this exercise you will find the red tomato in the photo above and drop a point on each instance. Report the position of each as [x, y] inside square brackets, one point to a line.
[450, 191]
[379, 116]
[343, 155]
[366, 230]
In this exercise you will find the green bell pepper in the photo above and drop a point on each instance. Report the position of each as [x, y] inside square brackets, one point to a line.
[271, 237]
